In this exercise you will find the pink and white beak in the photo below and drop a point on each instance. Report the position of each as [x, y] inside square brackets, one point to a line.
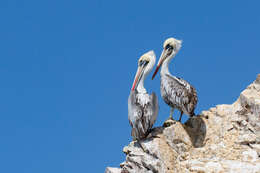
[139, 75]
[161, 60]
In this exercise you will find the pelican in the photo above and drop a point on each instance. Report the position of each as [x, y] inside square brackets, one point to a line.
[142, 107]
[176, 92]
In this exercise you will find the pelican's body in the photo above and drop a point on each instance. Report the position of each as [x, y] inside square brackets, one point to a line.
[142, 107]
[142, 113]
[176, 92]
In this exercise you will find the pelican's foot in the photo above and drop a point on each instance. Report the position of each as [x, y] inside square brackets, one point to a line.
[170, 118]
[169, 122]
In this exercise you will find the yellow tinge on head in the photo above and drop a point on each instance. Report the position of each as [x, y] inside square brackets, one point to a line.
[173, 42]
[144, 57]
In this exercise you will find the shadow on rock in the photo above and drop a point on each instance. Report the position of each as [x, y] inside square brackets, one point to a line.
[196, 128]
[153, 133]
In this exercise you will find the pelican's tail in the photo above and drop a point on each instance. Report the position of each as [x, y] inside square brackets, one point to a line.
[138, 132]
[192, 114]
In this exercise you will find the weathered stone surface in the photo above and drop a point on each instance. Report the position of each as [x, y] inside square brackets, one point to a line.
[225, 138]
[113, 170]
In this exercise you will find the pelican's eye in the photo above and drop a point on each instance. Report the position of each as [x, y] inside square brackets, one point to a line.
[143, 62]
[169, 49]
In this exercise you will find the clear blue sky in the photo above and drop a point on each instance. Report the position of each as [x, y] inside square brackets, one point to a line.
[67, 68]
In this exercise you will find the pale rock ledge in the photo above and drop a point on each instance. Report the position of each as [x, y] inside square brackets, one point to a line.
[223, 139]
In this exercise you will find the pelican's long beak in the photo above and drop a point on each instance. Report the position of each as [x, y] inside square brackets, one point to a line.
[161, 60]
[138, 75]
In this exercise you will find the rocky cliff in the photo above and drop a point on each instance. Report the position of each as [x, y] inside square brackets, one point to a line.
[225, 138]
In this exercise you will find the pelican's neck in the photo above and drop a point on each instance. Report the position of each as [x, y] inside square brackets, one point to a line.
[140, 88]
[165, 67]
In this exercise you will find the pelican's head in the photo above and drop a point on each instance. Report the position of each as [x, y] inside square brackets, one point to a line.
[170, 48]
[145, 65]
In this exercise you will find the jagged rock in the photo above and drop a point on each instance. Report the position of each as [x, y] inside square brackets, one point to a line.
[113, 170]
[225, 138]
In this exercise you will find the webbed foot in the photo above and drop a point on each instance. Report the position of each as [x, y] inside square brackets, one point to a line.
[169, 122]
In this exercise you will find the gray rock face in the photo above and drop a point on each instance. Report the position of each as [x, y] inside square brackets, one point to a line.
[225, 138]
